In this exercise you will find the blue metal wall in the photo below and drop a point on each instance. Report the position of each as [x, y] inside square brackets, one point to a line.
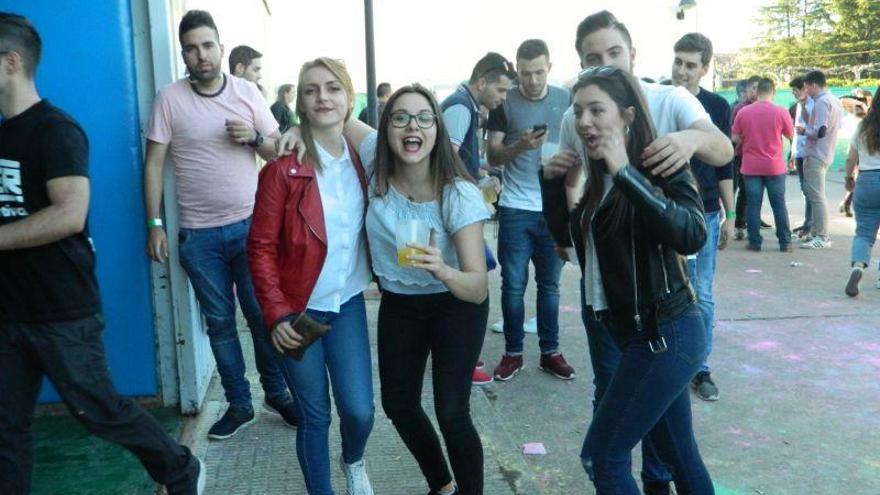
[88, 69]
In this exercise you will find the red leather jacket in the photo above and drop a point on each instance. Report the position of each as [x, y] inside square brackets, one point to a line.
[287, 243]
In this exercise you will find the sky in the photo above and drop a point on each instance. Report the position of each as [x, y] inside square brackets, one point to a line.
[431, 42]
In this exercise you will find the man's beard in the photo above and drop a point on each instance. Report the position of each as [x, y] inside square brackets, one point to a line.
[204, 76]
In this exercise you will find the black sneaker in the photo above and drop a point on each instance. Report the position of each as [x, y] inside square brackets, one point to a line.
[855, 276]
[284, 407]
[657, 488]
[765, 225]
[704, 386]
[233, 420]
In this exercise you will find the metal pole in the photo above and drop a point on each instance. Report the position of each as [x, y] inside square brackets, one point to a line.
[372, 118]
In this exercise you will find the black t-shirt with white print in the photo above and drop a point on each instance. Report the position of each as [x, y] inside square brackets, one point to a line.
[56, 281]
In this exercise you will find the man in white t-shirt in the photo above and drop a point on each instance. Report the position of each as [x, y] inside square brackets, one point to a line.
[684, 130]
[212, 124]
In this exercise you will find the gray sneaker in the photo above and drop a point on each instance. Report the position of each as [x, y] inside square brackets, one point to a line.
[705, 387]
[356, 480]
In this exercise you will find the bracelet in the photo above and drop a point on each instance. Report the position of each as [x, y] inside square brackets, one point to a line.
[730, 215]
[154, 222]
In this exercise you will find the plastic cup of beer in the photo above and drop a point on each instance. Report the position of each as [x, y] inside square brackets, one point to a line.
[487, 186]
[407, 232]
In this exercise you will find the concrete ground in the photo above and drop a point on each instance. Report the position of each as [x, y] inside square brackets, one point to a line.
[797, 363]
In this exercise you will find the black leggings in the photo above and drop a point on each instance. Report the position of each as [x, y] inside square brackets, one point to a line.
[452, 331]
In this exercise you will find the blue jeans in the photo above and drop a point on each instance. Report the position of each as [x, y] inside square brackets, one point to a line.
[701, 272]
[216, 263]
[648, 398]
[523, 236]
[866, 205]
[775, 185]
[343, 355]
[808, 208]
[605, 358]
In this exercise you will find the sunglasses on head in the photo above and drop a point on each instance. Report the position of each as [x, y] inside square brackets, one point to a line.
[599, 70]
[504, 66]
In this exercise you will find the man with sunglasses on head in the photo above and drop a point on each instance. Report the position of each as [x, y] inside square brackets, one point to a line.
[522, 130]
[490, 81]
[684, 130]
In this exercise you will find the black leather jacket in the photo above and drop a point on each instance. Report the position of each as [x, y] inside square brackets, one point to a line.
[642, 263]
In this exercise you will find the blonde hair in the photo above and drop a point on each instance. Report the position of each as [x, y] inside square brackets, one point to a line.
[337, 68]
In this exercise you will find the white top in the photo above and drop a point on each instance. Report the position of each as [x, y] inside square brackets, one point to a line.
[866, 161]
[346, 270]
[800, 120]
[462, 206]
[594, 292]
[672, 108]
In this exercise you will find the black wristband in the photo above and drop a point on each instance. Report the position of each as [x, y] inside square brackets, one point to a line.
[258, 140]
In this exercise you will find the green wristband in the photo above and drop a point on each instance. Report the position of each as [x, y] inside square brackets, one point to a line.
[154, 222]
[730, 215]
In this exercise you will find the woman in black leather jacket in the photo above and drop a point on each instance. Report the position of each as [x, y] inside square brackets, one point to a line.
[630, 231]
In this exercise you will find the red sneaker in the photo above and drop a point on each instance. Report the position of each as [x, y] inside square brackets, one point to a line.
[555, 365]
[508, 367]
[480, 378]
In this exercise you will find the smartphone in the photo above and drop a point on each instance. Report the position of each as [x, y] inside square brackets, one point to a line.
[540, 128]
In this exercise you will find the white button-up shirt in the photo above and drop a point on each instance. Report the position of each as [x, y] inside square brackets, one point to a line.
[345, 272]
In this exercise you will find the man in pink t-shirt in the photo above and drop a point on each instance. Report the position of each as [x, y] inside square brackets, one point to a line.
[758, 129]
[212, 124]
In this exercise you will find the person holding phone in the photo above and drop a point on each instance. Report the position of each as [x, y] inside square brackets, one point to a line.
[522, 131]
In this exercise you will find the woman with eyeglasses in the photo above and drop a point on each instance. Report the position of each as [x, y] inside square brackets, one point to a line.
[308, 253]
[631, 231]
[434, 283]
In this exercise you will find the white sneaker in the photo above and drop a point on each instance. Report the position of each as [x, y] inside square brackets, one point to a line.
[816, 242]
[203, 478]
[357, 482]
[498, 326]
[530, 326]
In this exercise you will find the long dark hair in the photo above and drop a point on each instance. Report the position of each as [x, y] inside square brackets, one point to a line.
[445, 165]
[870, 129]
[624, 90]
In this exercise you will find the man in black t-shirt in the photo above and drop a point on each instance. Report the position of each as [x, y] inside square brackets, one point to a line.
[50, 309]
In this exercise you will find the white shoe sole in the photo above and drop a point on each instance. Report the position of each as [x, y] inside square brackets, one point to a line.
[548, 370]
[500, 379]
[243, 426]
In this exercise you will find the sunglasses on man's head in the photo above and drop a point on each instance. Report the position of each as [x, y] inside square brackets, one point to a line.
[599, 70]
[504, 66]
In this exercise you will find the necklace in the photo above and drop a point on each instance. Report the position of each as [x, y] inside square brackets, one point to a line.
[208, 95]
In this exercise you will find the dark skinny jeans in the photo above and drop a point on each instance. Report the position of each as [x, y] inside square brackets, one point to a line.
[410, 328]
[71, 354]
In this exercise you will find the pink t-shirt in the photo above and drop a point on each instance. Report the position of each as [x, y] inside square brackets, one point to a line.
[216, 177]
[761, 126]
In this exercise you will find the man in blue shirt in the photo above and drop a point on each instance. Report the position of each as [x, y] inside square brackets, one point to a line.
[490, 80]
[693, 55]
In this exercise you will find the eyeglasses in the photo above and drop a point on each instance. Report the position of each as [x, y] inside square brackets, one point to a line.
[401, 119]
[599, 70]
